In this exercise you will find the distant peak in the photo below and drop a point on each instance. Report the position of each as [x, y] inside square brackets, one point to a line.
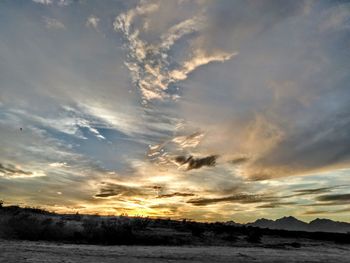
[263, 220]
[321, 220]
[288, 218]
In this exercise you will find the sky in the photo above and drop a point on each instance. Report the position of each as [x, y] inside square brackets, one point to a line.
[206, 110]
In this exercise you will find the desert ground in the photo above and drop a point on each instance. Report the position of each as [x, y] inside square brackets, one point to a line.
[29, 251]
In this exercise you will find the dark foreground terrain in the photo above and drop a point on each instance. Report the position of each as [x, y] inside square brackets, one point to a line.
[29, 251]
[34, 235]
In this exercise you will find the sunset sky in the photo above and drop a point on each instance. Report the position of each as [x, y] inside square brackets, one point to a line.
[199, 109]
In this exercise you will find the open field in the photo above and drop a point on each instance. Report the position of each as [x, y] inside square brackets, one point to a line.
[29, 251]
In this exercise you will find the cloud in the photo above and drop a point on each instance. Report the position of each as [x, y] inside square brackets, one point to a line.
[189, 141]
[119, 190]
[196, 163]
[315, 212]
[199, 59]
[92, 21]
[271, 117]
[52, 23]
[239, 160]
[277, 204]
[50, 2]
[70, 121]
[110, 117]
[334, 197]
[336, 18]
[181, 29]
[331, 200]
[11, 171]
[231, 25]
[64, 2]
[175, 195]
[261, 84]
[238, 198]
[326, 212]
[150, 64]
[156, 72]
[58, 164]
[312, 191]
[169, 209]
[181, 142]
[43, 2]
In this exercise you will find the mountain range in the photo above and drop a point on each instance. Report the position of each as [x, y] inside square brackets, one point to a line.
[293, 224]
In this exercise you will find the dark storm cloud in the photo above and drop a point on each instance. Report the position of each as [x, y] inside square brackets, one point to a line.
[175, 194]
[11, 170]
[196, 163]
[239, 198]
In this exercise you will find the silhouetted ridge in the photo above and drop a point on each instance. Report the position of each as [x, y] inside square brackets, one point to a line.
[293, 224]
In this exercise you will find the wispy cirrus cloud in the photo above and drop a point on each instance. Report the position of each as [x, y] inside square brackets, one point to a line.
[118, 190]
[13, 171]
[334, 197]
[150, 64]
[327, 212]
[176, 194]
[239, 198]
[315, 191]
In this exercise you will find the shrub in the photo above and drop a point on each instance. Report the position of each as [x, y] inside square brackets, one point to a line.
[24, 226]
[61, 223]
[140, 223]
[254, 236]
[230, 237]
[89, 225]
[107, 232]
[117, 233]
[196, 229]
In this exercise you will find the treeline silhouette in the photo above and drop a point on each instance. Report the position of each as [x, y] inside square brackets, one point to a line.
[37, 224]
